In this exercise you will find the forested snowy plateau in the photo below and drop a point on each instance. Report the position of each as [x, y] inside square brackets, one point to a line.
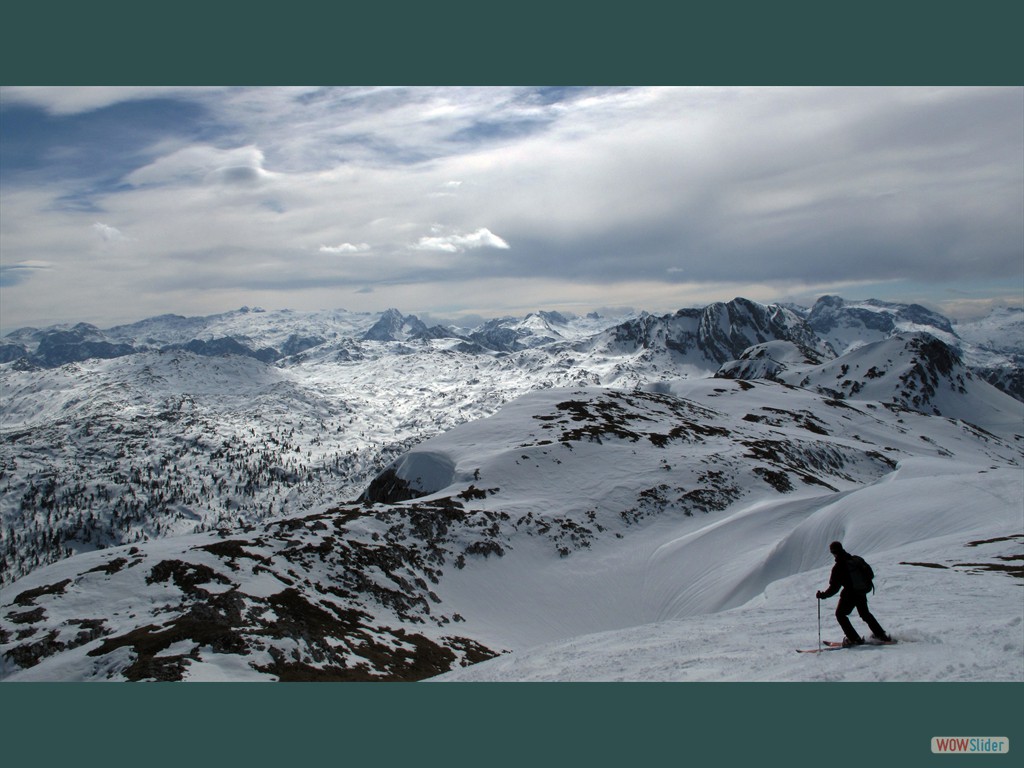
[553, 498]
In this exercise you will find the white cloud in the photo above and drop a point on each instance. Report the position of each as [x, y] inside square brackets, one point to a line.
[108, 233]
[457, 243]
[648, 186]
[203, 163]
[345, 248]
[76, 99]
[975, 309]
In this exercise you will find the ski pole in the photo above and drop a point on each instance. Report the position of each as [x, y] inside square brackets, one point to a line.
[819, 623]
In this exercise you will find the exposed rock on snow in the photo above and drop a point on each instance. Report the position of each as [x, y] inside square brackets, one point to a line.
[687, 529]
[519, 486]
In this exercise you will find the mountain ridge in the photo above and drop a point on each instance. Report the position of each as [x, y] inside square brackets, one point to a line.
[89, 457]
[724, 330]
[371, 506]
[570, 511]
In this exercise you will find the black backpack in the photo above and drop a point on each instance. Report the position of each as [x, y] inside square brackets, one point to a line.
[861, 575]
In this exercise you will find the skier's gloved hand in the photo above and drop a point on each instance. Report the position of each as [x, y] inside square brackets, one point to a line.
[819, 594]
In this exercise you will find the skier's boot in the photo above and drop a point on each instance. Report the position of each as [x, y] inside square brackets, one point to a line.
[851, 641]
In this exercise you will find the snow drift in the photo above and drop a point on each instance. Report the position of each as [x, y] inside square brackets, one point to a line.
[585, 534]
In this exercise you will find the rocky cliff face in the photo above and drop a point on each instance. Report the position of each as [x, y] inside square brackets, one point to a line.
[719, 332]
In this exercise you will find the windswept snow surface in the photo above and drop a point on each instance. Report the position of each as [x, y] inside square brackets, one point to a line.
[953, 617]
[730, 596]
[585, 534]
[544, 492]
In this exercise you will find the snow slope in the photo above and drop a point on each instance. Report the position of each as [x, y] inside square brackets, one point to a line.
[915, 371]
[184, 424]
[580, 534]
[956, 614]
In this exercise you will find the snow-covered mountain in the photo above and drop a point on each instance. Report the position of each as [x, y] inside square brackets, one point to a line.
[102, 430]
[994, 348]
[991, 347]
[572, 519]
[847, 325]
[256, 333]
[915, 371]
[705, 338]
[176, 425]
[106, 452]
[576, 443]
[1002, 331]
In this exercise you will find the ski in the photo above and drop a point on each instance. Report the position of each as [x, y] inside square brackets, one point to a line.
[831, 645]
[867, 641]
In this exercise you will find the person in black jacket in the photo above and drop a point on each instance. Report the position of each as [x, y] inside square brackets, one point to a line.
[851, 598]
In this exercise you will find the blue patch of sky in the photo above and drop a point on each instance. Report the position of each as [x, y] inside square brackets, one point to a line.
[13, 274]
[320, 95]
[544, 96]
[79, 201]
[486, 130]
[557, 94]
[95, 150]
[554, 94]
[387, 151]
[10, 277]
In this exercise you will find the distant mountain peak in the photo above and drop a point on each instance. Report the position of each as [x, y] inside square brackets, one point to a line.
[394, 326]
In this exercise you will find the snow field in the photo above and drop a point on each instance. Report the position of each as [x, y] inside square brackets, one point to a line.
[655, 588]
[736, 597]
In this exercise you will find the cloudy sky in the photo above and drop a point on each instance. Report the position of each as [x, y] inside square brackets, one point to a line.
[122, 203]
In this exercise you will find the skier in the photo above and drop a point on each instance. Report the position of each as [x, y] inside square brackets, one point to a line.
[852, 597]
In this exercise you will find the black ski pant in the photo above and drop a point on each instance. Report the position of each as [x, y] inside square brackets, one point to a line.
[848, 600]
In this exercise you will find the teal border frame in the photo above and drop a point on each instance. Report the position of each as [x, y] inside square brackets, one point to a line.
[112, 42]
[556, 42]
[501, 724]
